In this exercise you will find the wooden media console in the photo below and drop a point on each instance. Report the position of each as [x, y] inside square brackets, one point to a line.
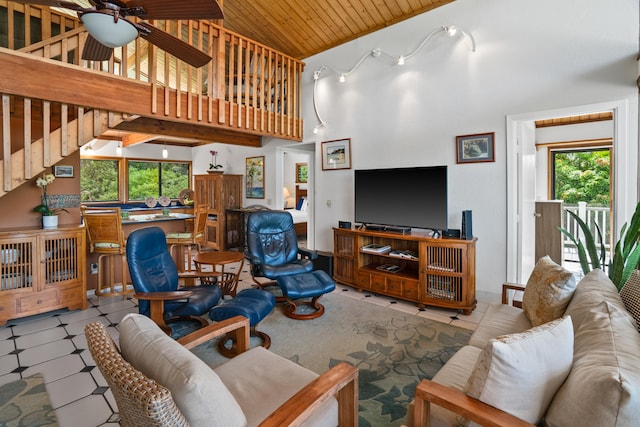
[414, 267]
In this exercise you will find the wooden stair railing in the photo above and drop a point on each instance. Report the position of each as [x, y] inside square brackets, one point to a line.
[21, 162]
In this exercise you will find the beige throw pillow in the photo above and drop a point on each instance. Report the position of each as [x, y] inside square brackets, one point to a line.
[602, 388]
[630, 294]
[520, 373]
[197, 390]
[548, 292]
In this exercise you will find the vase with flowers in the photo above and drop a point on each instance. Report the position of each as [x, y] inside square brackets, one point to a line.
[214, 167]
[49, 215]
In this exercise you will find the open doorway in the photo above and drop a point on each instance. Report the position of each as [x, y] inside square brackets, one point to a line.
[580, 179]
[297, 188]
[529, 178]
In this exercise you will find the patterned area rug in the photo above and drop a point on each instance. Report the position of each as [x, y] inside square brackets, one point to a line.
[26, 403]
[393, 351]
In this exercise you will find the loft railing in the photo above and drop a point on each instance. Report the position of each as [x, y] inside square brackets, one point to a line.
[258, 87]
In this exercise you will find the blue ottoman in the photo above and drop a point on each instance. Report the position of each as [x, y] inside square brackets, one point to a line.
[306, 285]
[255, 305]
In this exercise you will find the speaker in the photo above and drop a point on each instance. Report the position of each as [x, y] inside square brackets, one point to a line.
[451, 233]
[467, 232]
[344, 224]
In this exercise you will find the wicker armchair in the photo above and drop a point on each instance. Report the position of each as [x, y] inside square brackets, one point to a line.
[144, 401]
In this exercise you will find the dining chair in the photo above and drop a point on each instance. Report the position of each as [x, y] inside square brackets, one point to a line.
[106, 238]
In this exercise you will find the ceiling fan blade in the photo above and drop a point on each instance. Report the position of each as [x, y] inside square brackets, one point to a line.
[172, 9]
[53, 3]
[174, 46]
[96, 51]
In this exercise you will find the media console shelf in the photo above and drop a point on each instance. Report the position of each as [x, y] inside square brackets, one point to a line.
[443, 274]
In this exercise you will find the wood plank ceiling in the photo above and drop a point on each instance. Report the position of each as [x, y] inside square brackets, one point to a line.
[302, 28]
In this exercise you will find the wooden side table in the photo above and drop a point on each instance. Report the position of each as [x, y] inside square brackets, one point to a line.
[228, 281]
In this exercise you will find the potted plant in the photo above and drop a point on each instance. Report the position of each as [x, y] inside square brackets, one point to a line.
[49, 215]
[626, 253]
[214, 167]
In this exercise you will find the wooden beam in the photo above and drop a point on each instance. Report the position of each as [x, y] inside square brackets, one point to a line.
[136, 138]
[206, 134]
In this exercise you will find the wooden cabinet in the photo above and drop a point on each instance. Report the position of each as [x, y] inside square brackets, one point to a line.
[220, 192]
[41, 270]
[441, 273]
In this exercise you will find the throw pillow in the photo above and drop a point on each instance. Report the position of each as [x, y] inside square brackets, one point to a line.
[199, 393]
[548, 292]
[520, 373]
[630, 294]
[602, 388]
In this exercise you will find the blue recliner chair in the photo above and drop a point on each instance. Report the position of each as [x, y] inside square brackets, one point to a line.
[155, 280]
[273, 253]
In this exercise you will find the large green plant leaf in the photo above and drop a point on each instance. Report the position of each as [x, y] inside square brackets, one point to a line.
[626, 255]
[594, 259]
[582, 254]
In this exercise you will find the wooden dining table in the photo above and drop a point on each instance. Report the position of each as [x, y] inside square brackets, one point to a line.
[228, 281]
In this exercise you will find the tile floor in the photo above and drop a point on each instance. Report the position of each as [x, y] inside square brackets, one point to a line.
[54, 345]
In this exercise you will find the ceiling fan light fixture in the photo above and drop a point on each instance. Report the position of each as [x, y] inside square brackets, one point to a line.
[109, 30]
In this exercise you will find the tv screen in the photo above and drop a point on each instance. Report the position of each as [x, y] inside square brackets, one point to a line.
[402, 197]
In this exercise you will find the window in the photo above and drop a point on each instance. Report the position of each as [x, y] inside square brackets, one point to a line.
[148, 178]
[582, 175]
[99, 180]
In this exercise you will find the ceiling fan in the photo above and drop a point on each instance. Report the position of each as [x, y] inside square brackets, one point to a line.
[108, 26]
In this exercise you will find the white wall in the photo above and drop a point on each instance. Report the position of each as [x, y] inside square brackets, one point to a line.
[531, 56]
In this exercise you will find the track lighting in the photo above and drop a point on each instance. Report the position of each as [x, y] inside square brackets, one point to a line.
[451, 30]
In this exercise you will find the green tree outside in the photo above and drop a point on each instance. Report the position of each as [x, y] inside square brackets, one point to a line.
[583, 176]
[98, 180]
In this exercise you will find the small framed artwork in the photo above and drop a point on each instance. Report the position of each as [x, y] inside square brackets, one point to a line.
[336, 154]
[255, 177]
[475, 148]
[302, 173]
[63, 171]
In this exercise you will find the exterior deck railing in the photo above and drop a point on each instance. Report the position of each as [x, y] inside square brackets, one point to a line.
[592, 216]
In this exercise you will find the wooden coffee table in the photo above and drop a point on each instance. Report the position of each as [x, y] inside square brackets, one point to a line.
[228, 281]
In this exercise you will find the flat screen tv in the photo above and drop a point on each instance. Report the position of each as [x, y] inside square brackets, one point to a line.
[413, 197]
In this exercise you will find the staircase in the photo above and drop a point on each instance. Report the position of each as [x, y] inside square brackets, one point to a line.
[53, 102]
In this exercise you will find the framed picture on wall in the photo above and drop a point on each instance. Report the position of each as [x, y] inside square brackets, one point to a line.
[302, 173]
[255, 177]
[336, 154]
[475, 148]
[63, 171]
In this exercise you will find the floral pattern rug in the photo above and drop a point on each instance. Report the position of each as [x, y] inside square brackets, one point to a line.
[25, 402]
[393, 351]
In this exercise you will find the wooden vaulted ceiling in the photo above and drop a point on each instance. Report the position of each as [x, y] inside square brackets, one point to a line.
[301, 28]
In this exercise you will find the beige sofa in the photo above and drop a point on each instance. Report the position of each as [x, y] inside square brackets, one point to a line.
[600, 387]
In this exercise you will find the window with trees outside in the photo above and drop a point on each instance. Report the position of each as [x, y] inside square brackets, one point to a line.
[150, 178]
[582, 176]
[100, 179]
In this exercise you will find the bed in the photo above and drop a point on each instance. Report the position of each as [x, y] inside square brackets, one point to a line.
[300, 214]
